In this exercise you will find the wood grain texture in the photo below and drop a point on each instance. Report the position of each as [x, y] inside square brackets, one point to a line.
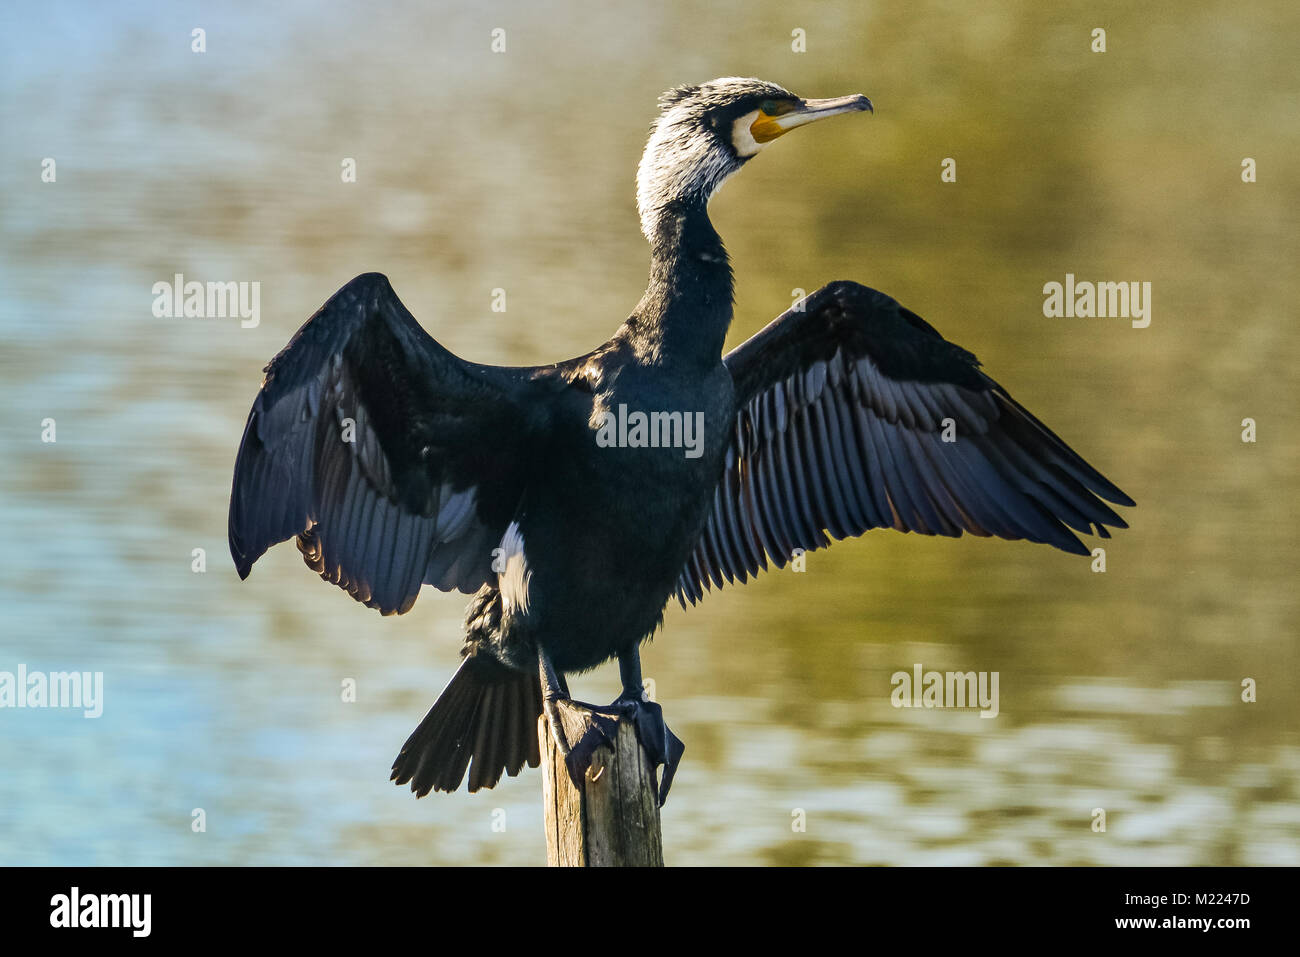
[613, 819]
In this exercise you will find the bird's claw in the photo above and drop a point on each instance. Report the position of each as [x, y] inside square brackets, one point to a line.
[661, 745]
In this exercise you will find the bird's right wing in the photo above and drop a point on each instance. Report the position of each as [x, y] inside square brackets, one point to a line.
[392, 461]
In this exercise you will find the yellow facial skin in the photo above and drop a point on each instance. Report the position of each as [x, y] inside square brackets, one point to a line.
[765, 128]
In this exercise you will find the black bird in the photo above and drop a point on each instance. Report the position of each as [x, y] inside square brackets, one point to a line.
[574, 499]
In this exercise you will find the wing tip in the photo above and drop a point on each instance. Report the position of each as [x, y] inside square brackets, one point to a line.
[1117, 496]
[371, 281]
[243, 563]
[1073, 546]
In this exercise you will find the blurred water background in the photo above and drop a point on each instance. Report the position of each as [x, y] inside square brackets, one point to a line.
[481, 170]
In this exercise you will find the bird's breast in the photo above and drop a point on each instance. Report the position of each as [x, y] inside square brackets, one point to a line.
[614, 513]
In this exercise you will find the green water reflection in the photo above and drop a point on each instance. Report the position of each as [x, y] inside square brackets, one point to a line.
[479, 171]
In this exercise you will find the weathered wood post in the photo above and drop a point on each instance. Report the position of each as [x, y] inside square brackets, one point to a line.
[613, 819]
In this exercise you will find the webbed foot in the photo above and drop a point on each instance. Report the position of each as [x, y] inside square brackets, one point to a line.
[593, 726]
[662, 746]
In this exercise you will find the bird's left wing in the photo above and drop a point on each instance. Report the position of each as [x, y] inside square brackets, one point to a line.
[854, 413]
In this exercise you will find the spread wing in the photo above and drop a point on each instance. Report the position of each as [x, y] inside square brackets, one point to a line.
[854, 413]
[392, 461]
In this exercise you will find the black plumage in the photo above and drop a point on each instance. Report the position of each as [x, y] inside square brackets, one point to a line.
[396, 464]
[841, 411]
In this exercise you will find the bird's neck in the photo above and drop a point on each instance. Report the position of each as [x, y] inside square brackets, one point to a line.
[686, 309]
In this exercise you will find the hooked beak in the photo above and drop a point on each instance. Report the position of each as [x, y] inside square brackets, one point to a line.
[767, 128]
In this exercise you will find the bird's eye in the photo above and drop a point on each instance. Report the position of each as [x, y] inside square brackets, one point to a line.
[776, 107]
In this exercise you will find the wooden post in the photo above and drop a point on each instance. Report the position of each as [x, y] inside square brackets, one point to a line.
[613, 819]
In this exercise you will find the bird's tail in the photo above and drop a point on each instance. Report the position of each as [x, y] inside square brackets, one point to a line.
[487, 712]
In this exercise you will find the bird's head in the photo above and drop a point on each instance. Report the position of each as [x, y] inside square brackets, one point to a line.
[705, 133]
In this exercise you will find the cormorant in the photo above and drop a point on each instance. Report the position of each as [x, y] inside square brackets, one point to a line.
[574, 499]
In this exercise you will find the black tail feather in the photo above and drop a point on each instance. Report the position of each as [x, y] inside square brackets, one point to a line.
[487, 712]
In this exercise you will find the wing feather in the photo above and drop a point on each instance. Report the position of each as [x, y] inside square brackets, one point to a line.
[854, 413]
[393, 462]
